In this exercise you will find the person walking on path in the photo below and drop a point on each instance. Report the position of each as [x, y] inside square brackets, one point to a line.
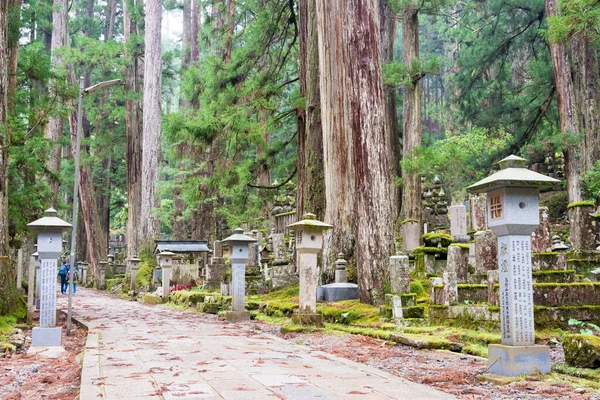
[73, 272]
[62, 273]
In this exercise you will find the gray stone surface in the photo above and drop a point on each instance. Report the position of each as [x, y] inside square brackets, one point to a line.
[411, 236]
[135, 351]
[486, 251]
[478, 212]
[46, 336]
[458, 222]
[400, 274]
[337, 292]
[458, 261]
[518, 360]
[541, 237]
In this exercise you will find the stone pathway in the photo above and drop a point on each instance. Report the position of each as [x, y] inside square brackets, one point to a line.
[136, 351]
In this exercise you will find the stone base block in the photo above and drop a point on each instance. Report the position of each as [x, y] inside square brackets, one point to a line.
[46, 336]
[212, 285]
[518, 360]
[337, 292]
[314, 319]
[237, 316]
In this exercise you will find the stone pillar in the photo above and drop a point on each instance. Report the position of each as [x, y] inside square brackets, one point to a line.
[238, 287]
[134, 264]
[101, 284]
[486, 251]
[20, 269]
[458, 223]
[166, 282]
[582, 229]
[411, 235]
[478, 211]
[450, 287]
[541, 238]
[493, 278]
[433, 298]
[38, 284]
[399, 274]
[84, 273]
[458, 261]
[216, 269]
[30, 289]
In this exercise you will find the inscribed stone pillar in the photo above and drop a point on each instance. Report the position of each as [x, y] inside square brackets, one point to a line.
[411, 235]
[541, 237]
[399, 274]
[478, 212]
[19, 269]
[458, 222]
[38, 284]
[102, 275]
[218, 252]
[215, 272]
[458, 261]
[486, 251]
[450, 287]
[166, 282]
[493, 278]
[30, 288]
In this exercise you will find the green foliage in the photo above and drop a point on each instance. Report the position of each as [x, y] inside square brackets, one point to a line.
[416, 287]
[576, 18]
[585, 328]
[591, 182]
[460, 159]
[557, 205]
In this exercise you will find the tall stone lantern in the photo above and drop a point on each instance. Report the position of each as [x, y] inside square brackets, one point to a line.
[238, 255]
[165, 262]
[49, 231]
[309, 241]
[513, 214]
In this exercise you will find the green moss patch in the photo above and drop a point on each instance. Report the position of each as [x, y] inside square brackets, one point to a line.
[587, 203]
[430, 250]
[582, 350]
[434, 238]
[462, 246]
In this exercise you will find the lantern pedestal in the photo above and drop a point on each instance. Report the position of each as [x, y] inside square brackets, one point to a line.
[518, 360]
[237, 316]
[46, 336]
[307, 318]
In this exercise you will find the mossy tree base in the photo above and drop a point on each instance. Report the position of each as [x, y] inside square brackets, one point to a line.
[582, 350]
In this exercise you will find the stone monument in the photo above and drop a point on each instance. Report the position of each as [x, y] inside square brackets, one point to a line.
[513, 214]
[458, 223]
[49, 231]
[309, 241]
[215, 271]
[341, 289]
[238, 250]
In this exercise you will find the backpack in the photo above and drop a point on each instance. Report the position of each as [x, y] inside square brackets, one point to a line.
[63, 270]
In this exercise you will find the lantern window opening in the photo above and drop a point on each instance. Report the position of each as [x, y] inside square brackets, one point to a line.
[496, 206]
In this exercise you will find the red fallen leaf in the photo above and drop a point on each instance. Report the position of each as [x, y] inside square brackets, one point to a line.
[202, 370]
[203, 363]
[356, 392]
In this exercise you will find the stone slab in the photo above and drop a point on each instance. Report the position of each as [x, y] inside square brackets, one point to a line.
[337, 292]
[46, 336]
[46, 351]
[237, 316]
[518, 360]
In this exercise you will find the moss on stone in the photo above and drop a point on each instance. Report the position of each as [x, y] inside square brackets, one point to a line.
[430, 250]
[416, 287]
[471, 285]
[582, 350]
[553, 272]
[434, 238]
[587, 203]
[406, 221]
[462, 246]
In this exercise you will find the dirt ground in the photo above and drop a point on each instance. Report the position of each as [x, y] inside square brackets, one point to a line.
[30, 377]
[450, 372]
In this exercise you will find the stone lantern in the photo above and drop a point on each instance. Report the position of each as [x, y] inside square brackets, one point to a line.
[84, 268]
[238, 255]
[165, 262]
[513, 214]
[309, 241]
[102, 275]
[49, 231]
[134, 264]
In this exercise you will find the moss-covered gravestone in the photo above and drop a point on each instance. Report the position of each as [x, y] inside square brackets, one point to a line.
[582, 350]
[513, 214]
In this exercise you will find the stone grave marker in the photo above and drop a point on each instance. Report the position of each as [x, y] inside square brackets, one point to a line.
[238, 245]
[400, 274]
[458, 223]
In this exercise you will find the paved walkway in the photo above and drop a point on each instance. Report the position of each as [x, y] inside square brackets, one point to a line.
[137, 351]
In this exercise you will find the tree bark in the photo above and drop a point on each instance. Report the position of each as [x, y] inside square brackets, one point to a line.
[151, 137]
[111, 14]
[10, 298]
[567, 113]
[133, 133]
[388, 37]
[354, 137]
[411, 191]
[55, 126]
[311, 179]
[195, 48]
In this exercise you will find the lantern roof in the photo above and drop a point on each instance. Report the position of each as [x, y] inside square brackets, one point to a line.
[238, 236]
[50, 220]
[166, 253]
[310, 220]
[135, 259]
[513, 173]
